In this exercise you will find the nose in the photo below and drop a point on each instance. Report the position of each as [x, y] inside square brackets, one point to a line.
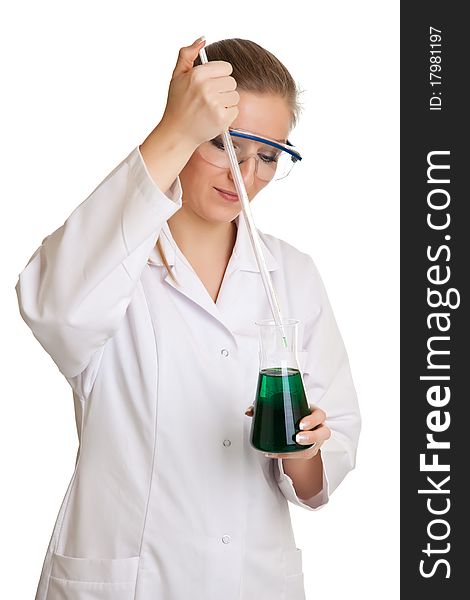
[248, 169]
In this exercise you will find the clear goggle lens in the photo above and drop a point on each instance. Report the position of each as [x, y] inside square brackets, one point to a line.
[271, 163]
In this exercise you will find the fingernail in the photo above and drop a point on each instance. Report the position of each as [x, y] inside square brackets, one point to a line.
[303, 425]
[301, 437]
[199, 40]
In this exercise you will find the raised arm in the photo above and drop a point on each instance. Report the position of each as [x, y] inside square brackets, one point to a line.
[76, 287]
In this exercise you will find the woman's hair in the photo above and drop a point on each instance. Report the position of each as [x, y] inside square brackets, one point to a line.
[255, 70]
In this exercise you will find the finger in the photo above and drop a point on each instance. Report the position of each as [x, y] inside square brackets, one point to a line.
[249, 411]
[315, 418]
[215, 70]
[187, 55]
[221, 83]
[222, 92]
[320, 434]
[230, 99]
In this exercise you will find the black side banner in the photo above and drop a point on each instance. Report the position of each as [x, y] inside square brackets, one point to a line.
[434, 333]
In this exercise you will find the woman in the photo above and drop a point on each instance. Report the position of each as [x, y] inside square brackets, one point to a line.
[146, 298]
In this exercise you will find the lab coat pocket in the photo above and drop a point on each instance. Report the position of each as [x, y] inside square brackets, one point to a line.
[294, 577]
[75, 578]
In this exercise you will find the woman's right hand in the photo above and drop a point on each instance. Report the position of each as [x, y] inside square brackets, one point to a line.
[202, 100]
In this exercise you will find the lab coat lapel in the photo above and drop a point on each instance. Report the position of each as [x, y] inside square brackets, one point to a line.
[242, 259]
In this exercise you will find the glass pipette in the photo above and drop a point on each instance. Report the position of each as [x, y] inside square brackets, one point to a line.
[254, 236]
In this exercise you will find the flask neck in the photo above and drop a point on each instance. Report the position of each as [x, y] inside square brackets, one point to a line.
[274, 350]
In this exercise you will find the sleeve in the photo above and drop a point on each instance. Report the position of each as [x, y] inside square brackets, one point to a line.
[329, 385]
[76, 287]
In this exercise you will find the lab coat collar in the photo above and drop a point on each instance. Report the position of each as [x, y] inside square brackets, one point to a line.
[243, 256]
[190, 285]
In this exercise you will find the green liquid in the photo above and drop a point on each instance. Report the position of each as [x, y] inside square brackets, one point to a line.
[279, 406]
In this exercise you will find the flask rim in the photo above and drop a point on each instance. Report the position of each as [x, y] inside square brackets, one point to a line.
[272, 323]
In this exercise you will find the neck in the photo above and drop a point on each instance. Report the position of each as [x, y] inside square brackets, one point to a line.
[199, 239]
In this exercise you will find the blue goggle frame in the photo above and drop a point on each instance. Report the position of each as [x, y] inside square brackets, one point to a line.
[288, 147]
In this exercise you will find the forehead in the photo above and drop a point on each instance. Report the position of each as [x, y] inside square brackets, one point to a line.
[267, 115]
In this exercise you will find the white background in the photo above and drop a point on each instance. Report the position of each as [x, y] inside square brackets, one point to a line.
[83, 84]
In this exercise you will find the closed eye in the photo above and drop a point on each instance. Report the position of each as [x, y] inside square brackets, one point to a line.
[268, 158]
[217, 142]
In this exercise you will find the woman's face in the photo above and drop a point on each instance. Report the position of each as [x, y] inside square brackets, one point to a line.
[267, 115]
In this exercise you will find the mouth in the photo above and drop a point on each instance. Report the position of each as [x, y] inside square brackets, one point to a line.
[227, 195]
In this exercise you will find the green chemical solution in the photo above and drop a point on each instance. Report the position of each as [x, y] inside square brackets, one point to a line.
[279, 406]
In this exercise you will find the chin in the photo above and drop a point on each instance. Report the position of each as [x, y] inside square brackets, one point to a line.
[227, 217]
[218, 213]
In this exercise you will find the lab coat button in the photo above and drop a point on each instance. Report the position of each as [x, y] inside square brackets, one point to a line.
[226, 539]
[227, 442]
[224, 352]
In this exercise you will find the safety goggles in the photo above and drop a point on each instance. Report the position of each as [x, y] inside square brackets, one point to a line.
[274, 160]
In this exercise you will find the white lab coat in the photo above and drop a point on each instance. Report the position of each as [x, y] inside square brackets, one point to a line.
[168, 500]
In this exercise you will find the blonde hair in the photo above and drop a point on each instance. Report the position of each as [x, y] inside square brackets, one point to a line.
[256, 70]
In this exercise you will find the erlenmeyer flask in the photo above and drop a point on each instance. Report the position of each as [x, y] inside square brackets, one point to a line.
[280, 402]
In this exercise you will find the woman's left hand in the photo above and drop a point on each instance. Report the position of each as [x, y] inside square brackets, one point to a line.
[313, 430]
